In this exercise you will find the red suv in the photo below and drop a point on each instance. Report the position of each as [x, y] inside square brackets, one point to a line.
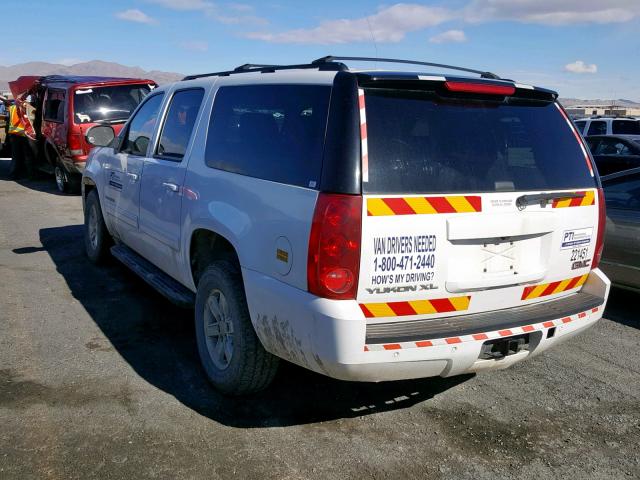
[66, 107]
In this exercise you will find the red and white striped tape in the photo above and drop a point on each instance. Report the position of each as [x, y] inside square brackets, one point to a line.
[363, 136]
[479, 337]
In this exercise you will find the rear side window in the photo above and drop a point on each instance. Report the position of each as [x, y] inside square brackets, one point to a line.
[626, 127]
[54, 106]
[273, 132]
[179, 122]
[580, 126]
[612, 146]
[418, 144]
[597, 128]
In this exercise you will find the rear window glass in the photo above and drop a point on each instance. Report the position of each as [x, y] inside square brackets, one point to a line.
[419, 146]
[273, 132]
[580, 126]
[110, 103]
[626, 127]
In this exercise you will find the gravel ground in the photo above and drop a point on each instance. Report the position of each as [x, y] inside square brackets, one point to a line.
[99, 378]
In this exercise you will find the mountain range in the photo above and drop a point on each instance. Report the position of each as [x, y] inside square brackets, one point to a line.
[95, 67]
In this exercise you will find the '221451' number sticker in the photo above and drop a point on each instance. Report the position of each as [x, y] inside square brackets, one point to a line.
[580, 258]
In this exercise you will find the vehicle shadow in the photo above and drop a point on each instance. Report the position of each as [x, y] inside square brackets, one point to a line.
[43, 182]
[158, 341]
[620, 307]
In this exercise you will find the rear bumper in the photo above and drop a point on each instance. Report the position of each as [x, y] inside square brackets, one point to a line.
[331, 337]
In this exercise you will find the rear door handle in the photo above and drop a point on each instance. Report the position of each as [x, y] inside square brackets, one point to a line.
[171, 186]
[133, 176]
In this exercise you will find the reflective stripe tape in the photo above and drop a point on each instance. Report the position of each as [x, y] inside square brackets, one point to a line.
[387, 206]
[364, 146]
[415, 307]
[545, 289]
[588, 199]
[481, 336]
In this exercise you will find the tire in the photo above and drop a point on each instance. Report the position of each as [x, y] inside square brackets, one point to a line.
[97, 239]
[235, 361]
[66, 182]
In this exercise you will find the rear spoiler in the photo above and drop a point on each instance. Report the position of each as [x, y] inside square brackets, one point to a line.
[452, 84]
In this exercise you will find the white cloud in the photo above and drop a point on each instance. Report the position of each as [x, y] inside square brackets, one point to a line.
[391, 24]
[195, 46]
[135, 15]
[553, 12]
[232, 14]
[450, 36]
[239, 19]
[388, 25]
[192, 5]
[240, 7]
[580, 67]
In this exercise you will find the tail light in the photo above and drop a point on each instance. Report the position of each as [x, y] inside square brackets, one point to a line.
[483, 88]
[602, 223]
[333, 264]
[75, 145]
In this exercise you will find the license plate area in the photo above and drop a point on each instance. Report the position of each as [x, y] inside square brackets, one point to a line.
[503, 347]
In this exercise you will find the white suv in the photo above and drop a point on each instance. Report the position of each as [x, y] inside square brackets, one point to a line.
[608, 126]
[369, 226]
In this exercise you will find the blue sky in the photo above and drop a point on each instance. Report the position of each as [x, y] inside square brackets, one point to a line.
[582, 48]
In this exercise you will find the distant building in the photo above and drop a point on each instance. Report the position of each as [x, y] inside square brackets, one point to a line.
[579, 111]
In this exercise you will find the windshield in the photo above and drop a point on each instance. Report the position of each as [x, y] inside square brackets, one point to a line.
[111, 103]
[418, 144]
[626, 127]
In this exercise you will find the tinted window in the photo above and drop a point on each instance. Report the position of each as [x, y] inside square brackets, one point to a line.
[418, 144]
[141, 127]
[597, 128]
[107, 103]
[274, 132]
[580, 126]
[178, 124]
[623, 193]
[592, 143]
[54, 106]
[626, 127]
[612, 146]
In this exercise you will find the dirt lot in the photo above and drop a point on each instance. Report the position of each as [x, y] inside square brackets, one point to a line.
[99, 378]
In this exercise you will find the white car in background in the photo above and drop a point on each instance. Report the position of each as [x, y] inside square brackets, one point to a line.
[608, 126]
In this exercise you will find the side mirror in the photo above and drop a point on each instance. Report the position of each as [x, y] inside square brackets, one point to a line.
[100, 135]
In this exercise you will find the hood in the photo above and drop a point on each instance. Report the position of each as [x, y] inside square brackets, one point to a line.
[20, 89]
[22, 85]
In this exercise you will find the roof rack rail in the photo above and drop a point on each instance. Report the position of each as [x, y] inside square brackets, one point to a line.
[250, 67]
[333, 63]
[331, 58]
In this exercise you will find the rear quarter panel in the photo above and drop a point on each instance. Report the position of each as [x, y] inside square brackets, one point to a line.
[256, 216]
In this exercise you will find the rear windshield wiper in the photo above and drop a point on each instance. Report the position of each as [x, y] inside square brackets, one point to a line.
[544, 198]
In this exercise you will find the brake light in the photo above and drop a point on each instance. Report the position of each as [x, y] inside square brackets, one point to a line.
[602, 223]
[484, 88]
[333, 264]
[75, 145]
